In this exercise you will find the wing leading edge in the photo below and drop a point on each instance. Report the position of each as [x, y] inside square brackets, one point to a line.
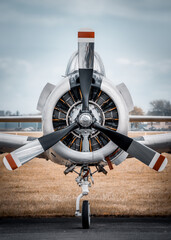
[10, 142]
[158, 142]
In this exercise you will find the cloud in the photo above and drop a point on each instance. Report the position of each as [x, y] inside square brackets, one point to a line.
[162, 66]
[22, 81]
[10, 14]
[129, 62]
[54, 12]
[146, 79]
[10, 66]
[36, 41]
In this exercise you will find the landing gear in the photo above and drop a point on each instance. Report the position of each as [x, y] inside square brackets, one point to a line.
[82, 181]
[86, 215]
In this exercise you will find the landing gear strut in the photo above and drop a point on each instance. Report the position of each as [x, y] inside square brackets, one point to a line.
[82, 181]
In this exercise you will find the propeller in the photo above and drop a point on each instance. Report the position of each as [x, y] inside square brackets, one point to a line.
[27, 152]
[143, 153]
[85, 63]
[38, 146]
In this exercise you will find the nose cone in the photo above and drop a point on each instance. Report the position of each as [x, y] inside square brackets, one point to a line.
[85, 119]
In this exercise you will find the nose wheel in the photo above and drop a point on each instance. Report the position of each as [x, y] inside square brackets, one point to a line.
[86, 215]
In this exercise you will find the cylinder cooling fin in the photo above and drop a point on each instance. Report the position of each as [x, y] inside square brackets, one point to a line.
[103, 108]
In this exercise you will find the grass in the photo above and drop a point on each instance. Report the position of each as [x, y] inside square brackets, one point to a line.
[39, 189]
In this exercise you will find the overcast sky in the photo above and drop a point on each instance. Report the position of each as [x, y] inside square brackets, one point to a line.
[37, 37]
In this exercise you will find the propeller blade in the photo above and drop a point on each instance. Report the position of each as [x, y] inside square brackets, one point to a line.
[143, 153]
[85, 63]
[27, 152]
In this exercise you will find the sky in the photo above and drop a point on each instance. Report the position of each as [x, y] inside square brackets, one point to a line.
[37, 37]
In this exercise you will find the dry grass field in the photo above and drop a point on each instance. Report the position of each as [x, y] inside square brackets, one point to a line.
[40, 188]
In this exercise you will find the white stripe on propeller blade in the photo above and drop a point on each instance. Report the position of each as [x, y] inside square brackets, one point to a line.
[23, 155]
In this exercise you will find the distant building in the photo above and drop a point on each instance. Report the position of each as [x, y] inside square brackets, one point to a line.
[2, 113]
[159, 125]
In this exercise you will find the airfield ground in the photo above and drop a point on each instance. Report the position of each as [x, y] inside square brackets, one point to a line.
[40, 189]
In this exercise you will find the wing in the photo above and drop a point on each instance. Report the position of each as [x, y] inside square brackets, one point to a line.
[10, 142]
[159, 142]
[33, 118]
[142, 118]
[132, 118]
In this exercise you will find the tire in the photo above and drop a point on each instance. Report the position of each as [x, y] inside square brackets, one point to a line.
[85, 215]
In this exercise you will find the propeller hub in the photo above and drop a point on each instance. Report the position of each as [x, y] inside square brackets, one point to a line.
[85, 120]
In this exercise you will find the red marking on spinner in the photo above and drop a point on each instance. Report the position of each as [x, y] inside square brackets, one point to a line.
[11, 161]
[86, 34]
[159, 162]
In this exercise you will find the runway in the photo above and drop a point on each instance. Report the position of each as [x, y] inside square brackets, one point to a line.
[70, 228]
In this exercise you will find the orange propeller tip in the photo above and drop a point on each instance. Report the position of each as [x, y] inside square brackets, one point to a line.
[86, 33]
[163, 165]
[10, 163]
[6, 163]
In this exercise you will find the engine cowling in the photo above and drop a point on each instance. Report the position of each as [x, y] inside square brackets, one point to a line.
[109, 104]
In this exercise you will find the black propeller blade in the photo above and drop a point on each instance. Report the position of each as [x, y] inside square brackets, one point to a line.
[85, 63]
[143, 153]
[85, 85]
[27, 152]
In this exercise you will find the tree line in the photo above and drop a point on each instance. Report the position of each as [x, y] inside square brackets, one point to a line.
[157, 108]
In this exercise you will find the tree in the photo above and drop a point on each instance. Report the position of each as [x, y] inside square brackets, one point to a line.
[17, 113]
[8, 113]
[137, 111]
[160, 108]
